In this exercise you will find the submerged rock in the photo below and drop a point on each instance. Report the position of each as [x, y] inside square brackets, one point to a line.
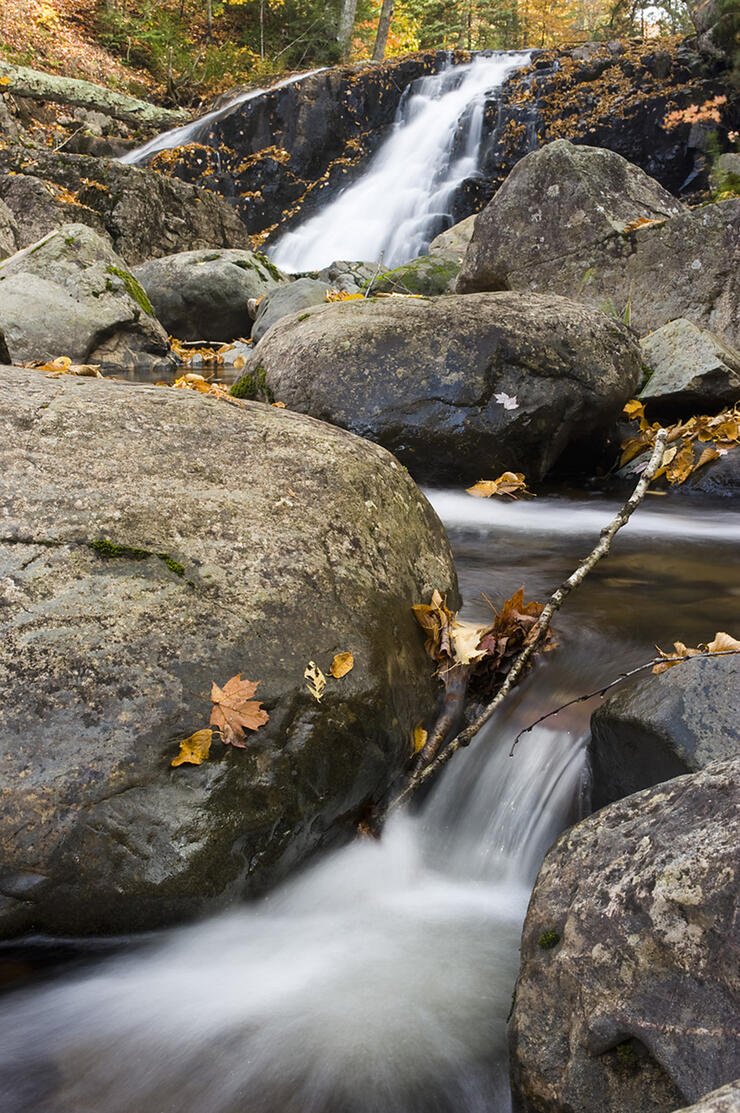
[627, 995]
[564, 222]
[458, 387]
[658, 727]
[155, 541]
[203, 295]
[71, 295]
[691, 370]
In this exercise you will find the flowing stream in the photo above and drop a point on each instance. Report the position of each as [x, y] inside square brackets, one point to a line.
[403, 199]
[379, 981]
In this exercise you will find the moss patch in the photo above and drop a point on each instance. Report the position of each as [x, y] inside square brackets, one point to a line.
[548, 939]
[253, 385]
[133, 289]
[109, 550]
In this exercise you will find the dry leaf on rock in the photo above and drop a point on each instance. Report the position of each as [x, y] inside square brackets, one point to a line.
[341, 665]
[234, 710]
[510, 483]
[720, 643]
[420, 737]
[194, 750]
[315, 681]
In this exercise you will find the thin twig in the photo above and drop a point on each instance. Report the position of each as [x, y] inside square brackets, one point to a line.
[539, 630]
[617, 680]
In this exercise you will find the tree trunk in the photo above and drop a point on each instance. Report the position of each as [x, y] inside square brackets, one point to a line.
[384, 26]
[346, 23]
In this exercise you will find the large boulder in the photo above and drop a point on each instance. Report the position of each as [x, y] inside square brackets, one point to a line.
[573, 236]
[203, 295]
[658, 727]
[146, 214]
[690, 370]
[304, 293]
[627, 995]
[71, 295]
[155, 541]
[724, 1100]
[40, 207]
[561, 201]
[429, 275]
[457, 387]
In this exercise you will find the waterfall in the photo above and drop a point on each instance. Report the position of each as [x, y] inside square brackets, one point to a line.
[402, 201]
[377, 982]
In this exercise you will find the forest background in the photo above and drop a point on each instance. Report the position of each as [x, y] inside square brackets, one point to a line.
[186, 51]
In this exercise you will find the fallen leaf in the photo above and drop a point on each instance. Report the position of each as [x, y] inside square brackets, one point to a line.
[420, 737]
[509, 483]
[465, 637]
[234, 710]
[508, 401]
[723, 643]
[194, 750]
[341, 665]
[316, 681]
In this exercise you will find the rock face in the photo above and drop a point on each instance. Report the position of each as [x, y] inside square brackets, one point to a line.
[8, 232]
[561, 224]
[429, 275]
[70, 295]
[691, 370]
[658, 727]
[304, 293]
[146, 215]
[724, 1100]
[4, 353]
[457, 387]
[40, 207]
[251, 541]
[203, 295]
[627, 994]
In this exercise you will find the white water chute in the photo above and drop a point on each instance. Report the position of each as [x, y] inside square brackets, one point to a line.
[402, 200]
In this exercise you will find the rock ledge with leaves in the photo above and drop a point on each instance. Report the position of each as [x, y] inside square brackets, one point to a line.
[157, 543]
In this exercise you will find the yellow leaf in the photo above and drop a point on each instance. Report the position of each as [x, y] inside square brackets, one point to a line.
[420, 737]
[316, 681]
[636, 411]
[508, 483]
[341, 665]
[723, 643]
[465, 638]
[706, 457]
[239, 362]
[194, 750]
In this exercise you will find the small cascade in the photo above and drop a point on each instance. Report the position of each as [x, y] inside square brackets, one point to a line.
[198, 129]
[403, 200]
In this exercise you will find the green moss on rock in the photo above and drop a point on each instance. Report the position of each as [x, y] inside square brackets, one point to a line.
[133, 288]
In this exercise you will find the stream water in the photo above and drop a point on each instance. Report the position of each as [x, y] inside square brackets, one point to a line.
[403, 199]
[379, 981]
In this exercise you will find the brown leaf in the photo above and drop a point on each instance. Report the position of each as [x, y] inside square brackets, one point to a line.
[509, 483]
[341, 665]
[234, 711]
[194, 750]
[435, 620]
[316, 681]
[723, 643]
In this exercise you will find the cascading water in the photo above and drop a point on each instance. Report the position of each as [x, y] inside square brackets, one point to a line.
[402, 201]
[380, 980]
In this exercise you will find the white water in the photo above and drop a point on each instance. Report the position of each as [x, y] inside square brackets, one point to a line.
[194, 132]
[402, 201]
[378, 982]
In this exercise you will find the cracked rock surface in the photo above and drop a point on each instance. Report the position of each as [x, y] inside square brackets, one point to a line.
[457, 387]
[273, 540]
[627, 994]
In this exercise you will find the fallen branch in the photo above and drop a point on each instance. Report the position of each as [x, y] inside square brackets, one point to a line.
[617, 680]
[539, 630]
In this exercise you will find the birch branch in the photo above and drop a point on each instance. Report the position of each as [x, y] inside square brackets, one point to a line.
[539, 630]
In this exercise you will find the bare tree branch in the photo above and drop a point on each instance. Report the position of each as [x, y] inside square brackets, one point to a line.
[539, 630]
[622, 676]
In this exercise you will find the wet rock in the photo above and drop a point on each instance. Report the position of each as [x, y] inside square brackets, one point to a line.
[457, 387]
[658, 727]
[561, 225]
[692, 371]
[71, 295]
[203, 295]
[304, 293]
[724, 1100]
[627, 992]
[8, 232]
[251, 541]
[719, 478]
[559, 202]
[146, 214]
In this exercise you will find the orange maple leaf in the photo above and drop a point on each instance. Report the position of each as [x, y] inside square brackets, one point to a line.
[234, 710]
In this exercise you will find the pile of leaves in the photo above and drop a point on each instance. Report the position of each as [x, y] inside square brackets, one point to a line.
[210, 356]
[721, 643]
[63, 365]
[199, 383]
[489, 649]
[684, 453]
